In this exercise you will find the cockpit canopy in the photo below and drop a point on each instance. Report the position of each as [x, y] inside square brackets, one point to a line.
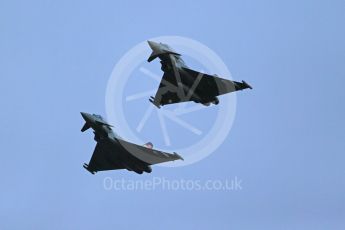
[98, 116]
[148, 145]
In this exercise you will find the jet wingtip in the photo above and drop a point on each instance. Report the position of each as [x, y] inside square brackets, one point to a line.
[86, 166]
[85, 127]
[152, 101]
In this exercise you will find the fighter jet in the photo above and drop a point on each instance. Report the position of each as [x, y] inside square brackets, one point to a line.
[181, 84]
[111, 152]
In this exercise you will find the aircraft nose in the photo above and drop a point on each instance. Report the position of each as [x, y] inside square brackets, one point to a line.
[153, 45]
[86, 116]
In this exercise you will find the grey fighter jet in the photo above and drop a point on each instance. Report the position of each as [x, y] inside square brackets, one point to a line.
[180, 83]
[113, 153]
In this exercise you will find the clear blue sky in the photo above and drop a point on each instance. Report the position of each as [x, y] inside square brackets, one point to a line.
[287, 143]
